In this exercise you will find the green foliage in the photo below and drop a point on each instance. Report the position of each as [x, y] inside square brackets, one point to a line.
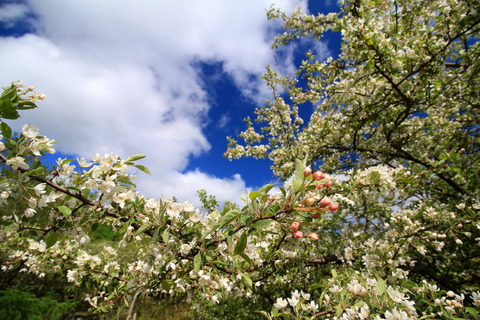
[16, 304]
[209, 202]
[233, 307]
[149, 308]
[103, 232]
[13, 99]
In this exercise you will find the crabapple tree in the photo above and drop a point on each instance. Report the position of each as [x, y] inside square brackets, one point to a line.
[377, 217]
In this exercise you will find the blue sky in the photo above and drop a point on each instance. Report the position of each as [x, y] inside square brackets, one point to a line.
[167, 79]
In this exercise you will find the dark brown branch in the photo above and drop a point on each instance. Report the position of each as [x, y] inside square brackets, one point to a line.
[323, 313]
[326, 260]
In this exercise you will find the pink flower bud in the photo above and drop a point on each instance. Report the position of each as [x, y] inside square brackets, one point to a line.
[329, 184]
[309, 202]
[295, 225]
[318, 175]
[312, 236]
[307, 171]
[333, 207]
[298, 234]
[316, 215]
[325, 202]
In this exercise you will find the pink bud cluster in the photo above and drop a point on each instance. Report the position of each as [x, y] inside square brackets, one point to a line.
[326, 203]
[299, 234]
[318, 176]
[296, 233]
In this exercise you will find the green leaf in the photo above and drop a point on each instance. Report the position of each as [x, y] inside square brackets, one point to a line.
[264, 313]
[299, 176]
[246, 219]
[51, 239]
[136, 157]
[26, 105]
[9, 143]
[334, 273]
[284, 192]
[339, 310]
[381, 287]
[144, 228]
[125, 226]
[474, 312]
[66, 161]
[142, 168]
[230, 216]
[9, 93]
[9, 113]
[6, 130]
[375, 176]
[155, 234]
[247, 258]
[36, 172]
[254, 194]
[247, 280]
[370, 64]
[167, 284]
[66, 211]
[262, 224]
[197, 262]
[166, 236]
[266, 188]
[241, 244]
[218, 263]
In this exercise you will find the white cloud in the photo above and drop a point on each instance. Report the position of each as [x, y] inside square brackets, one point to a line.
[12, 12]
[120, 78]
[184, 184]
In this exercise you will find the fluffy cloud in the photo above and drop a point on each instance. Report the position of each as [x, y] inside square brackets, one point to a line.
[120, 77]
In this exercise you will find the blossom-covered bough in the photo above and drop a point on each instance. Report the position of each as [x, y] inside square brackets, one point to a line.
[388, 229]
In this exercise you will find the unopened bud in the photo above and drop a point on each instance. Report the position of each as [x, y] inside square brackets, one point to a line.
[325, 202]
[333, 207]
[307, 171]
[295, 225]
[312, 236]
[298, 234]
[309, 202]
[318, 175]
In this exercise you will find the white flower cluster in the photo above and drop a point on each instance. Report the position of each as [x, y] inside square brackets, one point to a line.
[298, 300]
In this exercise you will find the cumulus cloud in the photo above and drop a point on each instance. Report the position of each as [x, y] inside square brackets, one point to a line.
[121, 77]
[11, 13]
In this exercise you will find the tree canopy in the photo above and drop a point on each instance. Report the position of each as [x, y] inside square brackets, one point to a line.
[378, 216]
